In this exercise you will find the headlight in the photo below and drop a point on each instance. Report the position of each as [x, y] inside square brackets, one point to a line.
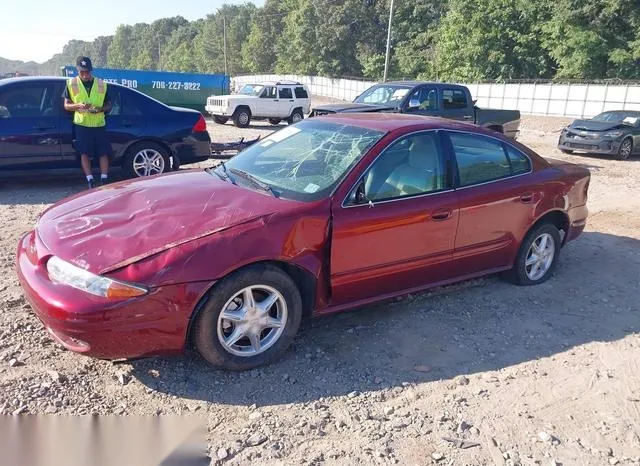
[68, 274]
[614, 134]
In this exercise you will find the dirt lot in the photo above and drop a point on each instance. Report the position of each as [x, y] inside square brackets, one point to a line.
[540, 375]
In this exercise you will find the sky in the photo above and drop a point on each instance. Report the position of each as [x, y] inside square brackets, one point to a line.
[35, 30]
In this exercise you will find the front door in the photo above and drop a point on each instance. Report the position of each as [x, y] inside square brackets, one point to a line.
[267, 104]
[397, 228]
[30, 114]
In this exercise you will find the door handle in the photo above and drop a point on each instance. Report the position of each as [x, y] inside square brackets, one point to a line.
[467, 117]
[127, 124]
[441, 215]
[526, 198]
[291, 100]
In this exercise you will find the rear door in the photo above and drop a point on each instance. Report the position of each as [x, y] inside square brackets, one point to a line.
[286, 103]
[456, 104]
[497, 195]
[125, 122]
[29, 125]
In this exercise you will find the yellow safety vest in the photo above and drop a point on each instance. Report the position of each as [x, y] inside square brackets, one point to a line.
[78, 95]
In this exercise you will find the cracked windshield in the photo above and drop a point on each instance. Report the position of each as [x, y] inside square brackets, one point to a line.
[305, 161]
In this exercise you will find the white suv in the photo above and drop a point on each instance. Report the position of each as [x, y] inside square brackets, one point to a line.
[284, 100]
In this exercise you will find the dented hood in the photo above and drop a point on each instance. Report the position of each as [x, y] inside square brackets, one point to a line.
[105, 229]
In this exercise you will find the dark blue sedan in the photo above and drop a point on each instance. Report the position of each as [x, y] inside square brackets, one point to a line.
[147, 136]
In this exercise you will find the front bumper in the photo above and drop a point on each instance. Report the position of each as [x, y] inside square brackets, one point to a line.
[217, 110]
[153, 324]
[607, 146]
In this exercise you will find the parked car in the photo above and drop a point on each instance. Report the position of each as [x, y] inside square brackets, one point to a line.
[429, 99]
[322, 216]
[614, 133]
[282, 100]
[147, 136]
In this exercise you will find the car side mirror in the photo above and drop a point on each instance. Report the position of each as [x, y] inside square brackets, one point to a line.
[359, 196]
[414, 103]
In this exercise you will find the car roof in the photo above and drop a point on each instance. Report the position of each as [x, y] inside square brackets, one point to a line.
[418, 83]
[623, 112]
[389, 121]
[21, 79]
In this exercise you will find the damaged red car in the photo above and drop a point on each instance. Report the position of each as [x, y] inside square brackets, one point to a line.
[328, 214]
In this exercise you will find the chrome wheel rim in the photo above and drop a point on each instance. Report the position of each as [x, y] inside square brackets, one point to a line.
[296, 117]
[625, 149]
[252, 321]
[148, 162]
[540, 257]
[243, 118]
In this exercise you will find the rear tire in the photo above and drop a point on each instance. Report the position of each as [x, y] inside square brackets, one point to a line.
[146, 158]
[626, 149]
[213, 334]
[242, 117]
[295, 117]
[537, 257]
[220, 120]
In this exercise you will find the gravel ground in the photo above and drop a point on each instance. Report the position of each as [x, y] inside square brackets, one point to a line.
[537, 375]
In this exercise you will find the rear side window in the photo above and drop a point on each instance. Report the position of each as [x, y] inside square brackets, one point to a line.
[124, 102]
[301, 93]
[454, 99]
[519, 162]
[285, 93]
[480, 159]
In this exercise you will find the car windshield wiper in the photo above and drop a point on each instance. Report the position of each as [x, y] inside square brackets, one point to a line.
[226, 173]
[254, 180]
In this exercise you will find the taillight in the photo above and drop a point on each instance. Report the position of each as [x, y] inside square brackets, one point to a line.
[200, 126]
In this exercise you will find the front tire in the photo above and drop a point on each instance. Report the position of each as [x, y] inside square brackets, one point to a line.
[250, 319]
[146, 158]
[626, 149]
[537, 257]
[242, 118]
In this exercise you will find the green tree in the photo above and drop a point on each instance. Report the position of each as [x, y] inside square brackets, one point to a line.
[595, 39]
[493, 39]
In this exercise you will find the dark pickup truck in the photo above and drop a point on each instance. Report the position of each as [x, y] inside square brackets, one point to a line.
[443, 100]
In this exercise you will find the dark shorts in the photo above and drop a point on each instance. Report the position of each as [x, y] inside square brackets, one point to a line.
[92, 141]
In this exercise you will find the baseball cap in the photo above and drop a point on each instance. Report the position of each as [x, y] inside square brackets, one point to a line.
[84, 64]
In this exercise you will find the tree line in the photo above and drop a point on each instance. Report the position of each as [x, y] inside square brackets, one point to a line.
[454, 40]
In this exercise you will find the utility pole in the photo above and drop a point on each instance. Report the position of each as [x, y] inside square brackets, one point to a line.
[224, 38]
[386, 60]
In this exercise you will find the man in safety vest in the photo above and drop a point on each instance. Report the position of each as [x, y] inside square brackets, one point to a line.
[88, 98]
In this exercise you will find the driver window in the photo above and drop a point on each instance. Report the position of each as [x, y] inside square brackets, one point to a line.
[424, 98]
[412, 166]
[31, 101]
[268, 93]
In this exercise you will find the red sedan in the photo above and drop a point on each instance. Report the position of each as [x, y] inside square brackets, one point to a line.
[321, 216]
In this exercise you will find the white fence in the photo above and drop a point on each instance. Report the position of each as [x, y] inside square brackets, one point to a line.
[570, 100]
